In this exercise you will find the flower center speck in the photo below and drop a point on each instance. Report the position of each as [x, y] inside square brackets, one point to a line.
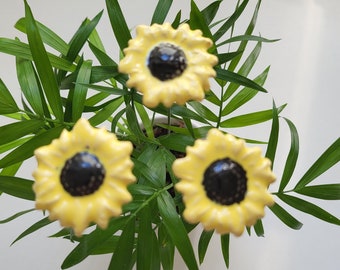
[82, 174]
[166, 61]
[225, 182]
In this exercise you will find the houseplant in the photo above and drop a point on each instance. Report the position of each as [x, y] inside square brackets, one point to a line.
[146, 146]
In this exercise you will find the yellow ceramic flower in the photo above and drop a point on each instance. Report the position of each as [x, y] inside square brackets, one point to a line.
[168, 65]
[224, 183]
[82, 177]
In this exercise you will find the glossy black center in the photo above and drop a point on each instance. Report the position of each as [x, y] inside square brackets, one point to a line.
[82, 174]
[166, 61]
[225, 182]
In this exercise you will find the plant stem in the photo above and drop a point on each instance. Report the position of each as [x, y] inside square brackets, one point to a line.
[46, 119]
[148, 200]
[220, 109]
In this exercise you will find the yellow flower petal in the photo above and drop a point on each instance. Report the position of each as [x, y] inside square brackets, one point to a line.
[231, 206]
[182, 49]
[99, 205]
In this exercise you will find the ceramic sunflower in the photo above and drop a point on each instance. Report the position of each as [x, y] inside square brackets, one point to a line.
[169, 65]
[82, 177]
[224, 183]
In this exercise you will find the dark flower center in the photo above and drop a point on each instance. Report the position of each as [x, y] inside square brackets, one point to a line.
[166, 61]
[225, 182]
[82, 174]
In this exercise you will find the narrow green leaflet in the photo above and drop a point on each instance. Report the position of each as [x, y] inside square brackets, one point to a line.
[229, 76]
[63, 232]
[177, 142]
[26, 106]
[176, 229]
[292, 155]
[121, 258]
[116, 118]
[177, 20]
[47, 35]
[274, 135]
[18, 187]
[258, 228]
[285, 217]
[30, 86]
[242, 47]
[245, 95]
[210, 11]
[244, 71]
[145, 118]
[8, 146]
[93, 100]
[106, 112]
[96, 109]
[328, 159]
[102, 57]
[184, 112]
[250, 60]
[138, 189]
[246, 38]
[309, 208]
[250, 118]
[203, 111]
[107, 246]
[107, 89]
[118, 23]
[144, 255]
[133, 121]
[155, 252]
[14, 131]
[145, 175]
[101, 73]
[43, 65]
[11, 170]
[98, 74]
[36, 226]
[95, 40]
[7, 102]
[22, 50]
[156, 164]
[225, 241]
[88, 243]
[78, 41]
[81, 36]
[197, 21]
[15, 47]
[324, 192]
[226, 57]
[19, 214]
[25, 150]
[80, 91]
[231, 21]
[199, 132]
[203, 244]
[161, 11]
[166, 248]
[211, 97]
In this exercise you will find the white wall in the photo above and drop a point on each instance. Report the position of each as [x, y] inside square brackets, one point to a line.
[305, 67]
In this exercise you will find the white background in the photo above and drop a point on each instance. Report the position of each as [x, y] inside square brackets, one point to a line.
[305, 68]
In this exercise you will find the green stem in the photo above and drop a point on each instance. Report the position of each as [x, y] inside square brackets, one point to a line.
[133, 91]
[284, 191]
[46, 119]
[148, 200]
[220, 109]
[222, 93]
[169, 119]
